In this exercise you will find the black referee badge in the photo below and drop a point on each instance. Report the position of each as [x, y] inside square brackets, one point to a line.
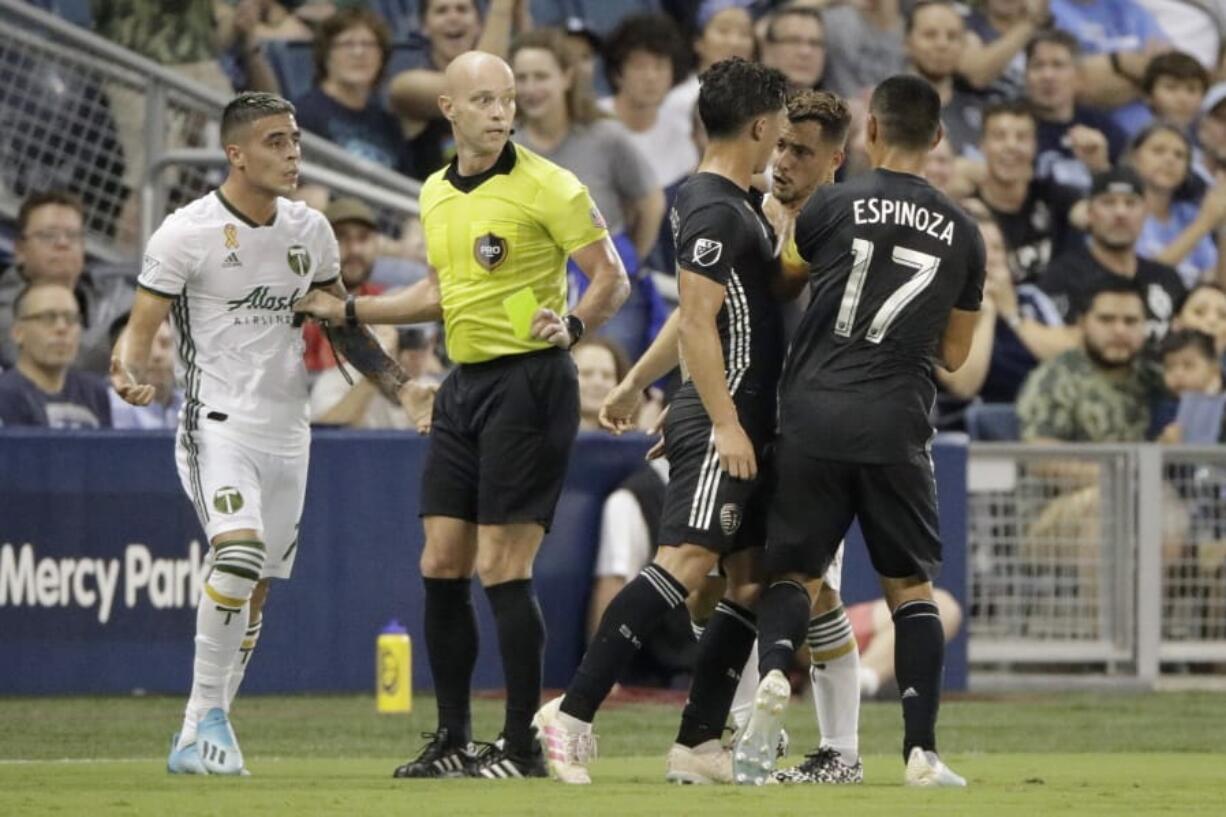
[730, 518]
[490, 251]
[707, 252]
[299, 260]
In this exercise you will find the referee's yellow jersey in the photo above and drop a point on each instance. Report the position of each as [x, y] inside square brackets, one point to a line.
[490, 235]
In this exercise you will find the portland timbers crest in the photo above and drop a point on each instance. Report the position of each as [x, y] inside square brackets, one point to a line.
[299, 260]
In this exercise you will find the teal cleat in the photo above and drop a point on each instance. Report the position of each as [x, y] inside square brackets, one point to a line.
[185, 760]
[219, 752]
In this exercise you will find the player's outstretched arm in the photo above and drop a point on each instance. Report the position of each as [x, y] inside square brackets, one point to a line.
[419, 303]
[609, 288]
[701, 300]
[618, 411]
[130, 357]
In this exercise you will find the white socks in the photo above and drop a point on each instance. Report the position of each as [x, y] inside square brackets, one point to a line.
[250, 638]
[835, 677]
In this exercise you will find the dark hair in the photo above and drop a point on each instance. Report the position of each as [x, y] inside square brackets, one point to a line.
[249, 107]
[1053, 36]
[1112, 285]
[423, 8]
[654, 33]
[581, 98]
[1006, 107]
[338, 24]
[1187, 188]
[733, 92]
[1177, 65]
[621, 361]
[908, 111]
[826, 109]
[791, 11]
[1179, 339]
[60, 198]
[927, 4]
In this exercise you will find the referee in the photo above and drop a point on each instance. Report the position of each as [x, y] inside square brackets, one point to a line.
[500, 223]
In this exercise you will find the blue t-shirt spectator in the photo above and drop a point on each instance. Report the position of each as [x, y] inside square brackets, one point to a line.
[371, 133]
[1155, 235]
[82, 403]
[1105, 26]
[1012, 362]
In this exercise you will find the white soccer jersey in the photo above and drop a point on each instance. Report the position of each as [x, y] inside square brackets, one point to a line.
[234, 284]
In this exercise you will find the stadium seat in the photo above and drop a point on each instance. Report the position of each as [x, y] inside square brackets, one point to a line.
[993, 422]
[293, 64]
[77, 12]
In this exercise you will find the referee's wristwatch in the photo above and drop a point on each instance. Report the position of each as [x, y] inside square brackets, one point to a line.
[574, 327]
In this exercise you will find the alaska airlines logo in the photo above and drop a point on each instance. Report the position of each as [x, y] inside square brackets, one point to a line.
[490, 251]
[262, 298]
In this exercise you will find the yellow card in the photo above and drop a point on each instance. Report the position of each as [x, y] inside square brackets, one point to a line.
[521, 306]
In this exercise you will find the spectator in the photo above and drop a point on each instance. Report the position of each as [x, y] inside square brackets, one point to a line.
[1118, 38]
[939, 167]
[1034, 214]
[641, 55]
[1018, 328]
[1178, 231]
[419, 353]
[351, 51]
[357, 238]
[601, 364]
[1101, 390]
[450, 27]
[935, 39]
[50, 248]
[1196, 25]
[725, 30]
[1175, 85]
[1192, 372]
[865, 44]
[794, 42]
[1210, 159]
[163, 411]
[560, 120]
[243, 26]
[337, 399]
[1074, 142]
[43, 389]
[1116, 212]
[996, 37]
[586, 46]
[1205, 310]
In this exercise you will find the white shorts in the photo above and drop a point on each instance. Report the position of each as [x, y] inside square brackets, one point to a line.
[235, 487]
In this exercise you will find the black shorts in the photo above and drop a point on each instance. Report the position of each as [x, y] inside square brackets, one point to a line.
[703, 505]
[814, 502]
[501, 438]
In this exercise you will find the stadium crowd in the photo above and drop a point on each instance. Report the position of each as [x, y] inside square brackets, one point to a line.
[1086, 137]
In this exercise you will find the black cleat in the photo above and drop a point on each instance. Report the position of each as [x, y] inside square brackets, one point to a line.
[824, 765]
[441, 757]
[495, 762]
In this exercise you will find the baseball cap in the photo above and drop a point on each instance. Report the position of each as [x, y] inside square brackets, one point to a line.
[1119, 179]
[350, 209]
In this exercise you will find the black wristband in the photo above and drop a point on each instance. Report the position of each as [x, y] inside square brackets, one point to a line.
[351, 310]
[574, 327]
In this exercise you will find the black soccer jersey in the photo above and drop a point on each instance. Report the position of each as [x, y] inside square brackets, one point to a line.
[720, 233]
[889, 256]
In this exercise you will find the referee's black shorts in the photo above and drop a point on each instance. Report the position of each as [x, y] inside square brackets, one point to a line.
[500, 439]
[814, 502]
[703, 505]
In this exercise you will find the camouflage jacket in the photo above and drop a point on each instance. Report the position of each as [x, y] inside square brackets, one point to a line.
[1069, 398]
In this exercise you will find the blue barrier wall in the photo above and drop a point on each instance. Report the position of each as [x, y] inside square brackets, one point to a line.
[99, 567]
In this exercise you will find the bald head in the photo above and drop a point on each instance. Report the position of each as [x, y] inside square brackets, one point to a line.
[479, 102]
[476, 69]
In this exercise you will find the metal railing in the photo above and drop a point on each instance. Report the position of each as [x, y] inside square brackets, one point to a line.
[65, 97]
[1106, 556]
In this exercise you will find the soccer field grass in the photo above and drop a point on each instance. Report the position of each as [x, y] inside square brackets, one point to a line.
[1050, 754]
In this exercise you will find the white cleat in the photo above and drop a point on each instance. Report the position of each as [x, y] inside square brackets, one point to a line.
[567, 750]
[924, 768]
[754, 755]
[708, 762]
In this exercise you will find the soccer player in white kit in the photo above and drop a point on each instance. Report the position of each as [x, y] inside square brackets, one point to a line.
[229, 268]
